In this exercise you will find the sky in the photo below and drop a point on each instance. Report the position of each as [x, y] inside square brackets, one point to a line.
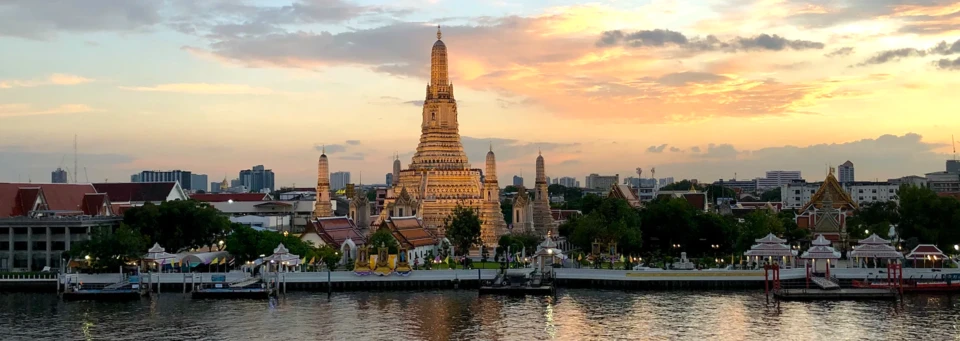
[703, 89]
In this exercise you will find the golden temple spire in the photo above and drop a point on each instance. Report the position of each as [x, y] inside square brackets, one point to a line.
[323, 150]
[438, 32]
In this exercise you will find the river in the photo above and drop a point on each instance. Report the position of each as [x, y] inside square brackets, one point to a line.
[575, 314]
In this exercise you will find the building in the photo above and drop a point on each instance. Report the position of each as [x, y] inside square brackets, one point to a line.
[953, 166]
[339, 180]
[38, 222]
[276, 215]
[543, 222]
[323, 206]
[943, 182]
[58, 176]
[183, 177]
[440, 176]
[131, 194]
[257, 179]
[338, 232]
[555, 181]
[389, 179]
[231, 197]
[827, 210]
[411, 235]
[777, 178]
[568, 182]
[666, 181]
[911, 180]
[741, 186]
[602, 182]
[798, 193]
[517, 181]
[696, 198]
[633, 181]
[627, 193]
[198, 182]
[845, 172]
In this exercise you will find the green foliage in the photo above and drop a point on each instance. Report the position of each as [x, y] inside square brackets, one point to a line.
[683, 185]
[875, 217]
[772, 195]
[589, 203]
[612, 220]
[246, 244]
[179, 225]
[462, 228]
[383, 237]
[756, 225]
[927, 217]
[506, 207]
[556, 189]
[372, 195]
[111, 249]
[511, 189]
[792, 233]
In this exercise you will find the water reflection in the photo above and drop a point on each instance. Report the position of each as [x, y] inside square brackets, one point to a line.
[450, 315]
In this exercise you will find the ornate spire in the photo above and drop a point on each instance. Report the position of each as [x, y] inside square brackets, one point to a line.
[438, 32]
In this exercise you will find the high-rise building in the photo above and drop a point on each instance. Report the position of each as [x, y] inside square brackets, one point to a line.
[198, 182]
[135, 178]
[666, 181]
[633, 181]
[257, 179]
[953, 166]
[517, 180]
[777, 178]
[58, 176]
[183, 177]
[214, 187]
[596, 181]
[548, 180]
[389, 179]
[845, 171]
[568, 182]
[339, 180]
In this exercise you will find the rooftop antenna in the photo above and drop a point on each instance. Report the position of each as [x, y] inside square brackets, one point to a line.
[75, 159]
[954, 143]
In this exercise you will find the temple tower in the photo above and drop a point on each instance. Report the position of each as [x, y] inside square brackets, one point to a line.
[522, 212]
[322, 207]
[493, 224]
[396, 170]
[542, 216]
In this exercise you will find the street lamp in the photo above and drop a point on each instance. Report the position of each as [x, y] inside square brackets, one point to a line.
[866, 232]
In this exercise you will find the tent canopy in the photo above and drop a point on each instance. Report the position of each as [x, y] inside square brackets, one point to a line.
[195, 259]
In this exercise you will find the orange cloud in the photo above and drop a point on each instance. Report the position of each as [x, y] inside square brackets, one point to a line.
[53, 79]
[21, 109]
[205, 89]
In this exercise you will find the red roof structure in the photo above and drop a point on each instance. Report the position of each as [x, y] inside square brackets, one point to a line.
[335, 230]
[96, 204]
[224, 197]
[155, 192]
[923, 251]
[18, 199]
[409, 232]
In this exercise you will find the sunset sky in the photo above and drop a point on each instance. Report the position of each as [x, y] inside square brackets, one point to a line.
[698, 89]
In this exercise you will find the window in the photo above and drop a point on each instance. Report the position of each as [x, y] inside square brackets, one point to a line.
[891, 190]
[861, 198]
[433, 116]
[401, 212]
[516, 216]
[39, 246]
[874, 197]
[874, 190]
[797, 198]
[59, 246]
[861, 191]
[797, 192]
[20, 246]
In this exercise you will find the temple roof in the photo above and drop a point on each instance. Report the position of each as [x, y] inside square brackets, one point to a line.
[410, 232]
[833, 191]
[334, 230]
[624, 192]
[924, 250]
[770, 239]
[820, 240]
[875, 251]
[874, 239]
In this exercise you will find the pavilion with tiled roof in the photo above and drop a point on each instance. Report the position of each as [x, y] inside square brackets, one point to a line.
[926, 254]
[772, 248]
[411, 234]
[874, 248]
[821, 250]
[624, 192]
[338, 232]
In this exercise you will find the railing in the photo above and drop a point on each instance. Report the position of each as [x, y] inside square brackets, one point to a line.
[29, 277]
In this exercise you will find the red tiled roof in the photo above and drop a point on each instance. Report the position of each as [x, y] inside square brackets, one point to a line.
[409, 231]
[224, 197]
[26, 199]
[59, 197]
[698, 200]
[136, 191]
[564, 214]
[96, 204]
[120, 209]
[955, 195]
[273, 203]
[335, 230]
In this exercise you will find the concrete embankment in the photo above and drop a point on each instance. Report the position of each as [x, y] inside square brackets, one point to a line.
[470, 279]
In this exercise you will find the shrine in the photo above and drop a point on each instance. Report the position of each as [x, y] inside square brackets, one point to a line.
[773, 249]
[821, 250]
[876, 249]
[827, 211]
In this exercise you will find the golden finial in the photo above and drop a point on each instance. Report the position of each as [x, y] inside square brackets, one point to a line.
[438, 32]
[491, 146]
[323, 150]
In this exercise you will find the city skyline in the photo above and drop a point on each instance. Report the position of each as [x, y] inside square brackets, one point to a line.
[698, 92]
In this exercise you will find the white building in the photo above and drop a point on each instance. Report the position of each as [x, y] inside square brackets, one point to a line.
[603, 182]
[798, 193]
[846, 172]
[274, 215]
[339, 180]
[568, 182]
[777, 178]
[943, 182]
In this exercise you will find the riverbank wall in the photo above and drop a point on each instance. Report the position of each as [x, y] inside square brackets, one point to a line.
[469, 279]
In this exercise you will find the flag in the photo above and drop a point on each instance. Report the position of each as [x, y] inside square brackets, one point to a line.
[303, 260]
[313, 259]
[621, 258]
[580, 257]
[213, 262]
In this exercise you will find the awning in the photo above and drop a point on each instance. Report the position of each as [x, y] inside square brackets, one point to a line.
[195, 259]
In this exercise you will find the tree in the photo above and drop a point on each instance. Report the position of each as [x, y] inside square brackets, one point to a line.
[791, 231]
[506, 207]
[613, 220]
[372, 195]
[111, 249]
[667, 222]
[247, 244]
[511, 189]
[462, 228]
[383, 237]
[556, 189]
[589, 203]
[179, 225]
[928, 217]
[876, 217]
[683, 185]
[772, 195]
[756, 225]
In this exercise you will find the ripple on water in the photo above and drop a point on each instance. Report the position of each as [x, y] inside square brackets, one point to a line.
[462, 315]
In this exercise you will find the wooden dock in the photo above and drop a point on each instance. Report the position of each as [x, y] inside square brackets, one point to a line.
[834, 295]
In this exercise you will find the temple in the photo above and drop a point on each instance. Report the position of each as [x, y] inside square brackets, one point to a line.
[439, 176]
[323, 208]
[827, 211]
[542, 217]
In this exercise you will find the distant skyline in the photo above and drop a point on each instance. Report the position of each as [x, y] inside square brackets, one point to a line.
[697, 89]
